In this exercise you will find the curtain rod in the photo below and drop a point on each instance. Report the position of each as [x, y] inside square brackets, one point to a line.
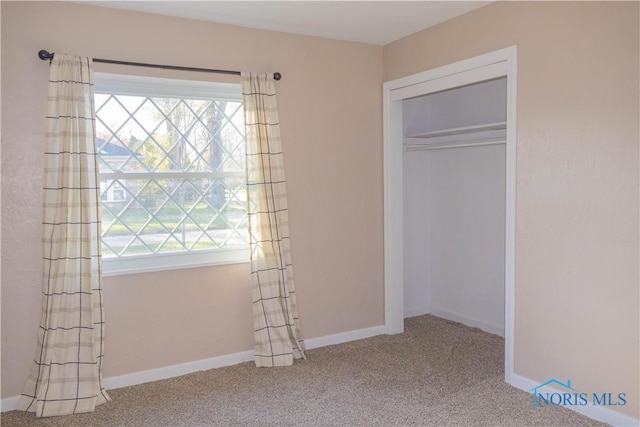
[44, 55]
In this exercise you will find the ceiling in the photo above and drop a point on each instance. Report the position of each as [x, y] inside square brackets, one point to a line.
[375, 22]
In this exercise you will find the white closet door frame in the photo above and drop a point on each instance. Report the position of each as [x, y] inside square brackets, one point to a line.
[492, 65]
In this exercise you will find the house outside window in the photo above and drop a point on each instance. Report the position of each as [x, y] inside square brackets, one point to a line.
[172, 173]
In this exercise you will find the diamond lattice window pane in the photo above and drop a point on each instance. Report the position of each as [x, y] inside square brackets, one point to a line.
[148, 148]
[154, 235]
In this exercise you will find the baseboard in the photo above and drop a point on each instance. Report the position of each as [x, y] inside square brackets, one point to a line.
[171, 371]
[595, 412]
[343, 337]
[9, 404]
[417, 311]
[135, 378]
[469, 321]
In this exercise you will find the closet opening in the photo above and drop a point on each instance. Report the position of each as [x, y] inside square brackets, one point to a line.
[449, 195]
[454, 204]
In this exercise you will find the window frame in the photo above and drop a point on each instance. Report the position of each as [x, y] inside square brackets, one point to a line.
[131, 85]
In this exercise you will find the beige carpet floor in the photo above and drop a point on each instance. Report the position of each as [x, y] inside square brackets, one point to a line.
[438, 373]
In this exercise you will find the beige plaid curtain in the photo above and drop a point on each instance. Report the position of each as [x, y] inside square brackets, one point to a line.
[276, 324]
[66, 375]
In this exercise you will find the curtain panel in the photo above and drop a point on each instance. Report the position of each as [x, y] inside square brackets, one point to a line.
[66, 375]
[276, 323]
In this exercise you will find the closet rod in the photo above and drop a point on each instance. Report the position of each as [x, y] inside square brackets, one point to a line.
[44, 55]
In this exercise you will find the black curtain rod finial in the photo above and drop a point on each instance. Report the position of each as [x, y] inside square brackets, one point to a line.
[44, 55]
[277, 76]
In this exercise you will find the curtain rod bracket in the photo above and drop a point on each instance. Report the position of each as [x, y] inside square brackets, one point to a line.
[44, 55]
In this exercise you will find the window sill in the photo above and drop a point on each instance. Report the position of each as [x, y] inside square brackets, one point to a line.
[172, 261]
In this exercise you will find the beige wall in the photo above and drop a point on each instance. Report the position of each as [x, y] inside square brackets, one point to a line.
[577, 183]
[330, 110]
[577, 179]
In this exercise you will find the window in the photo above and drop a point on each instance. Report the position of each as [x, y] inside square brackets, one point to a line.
[172, 173]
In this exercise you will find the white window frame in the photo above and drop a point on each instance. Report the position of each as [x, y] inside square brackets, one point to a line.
[118, 84]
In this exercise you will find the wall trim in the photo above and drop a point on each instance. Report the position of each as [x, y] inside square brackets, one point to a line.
[343, 337]
[141, 377]
[177, 370]
[417, 310]
[598, 413]
[490, 328]
[10, 403]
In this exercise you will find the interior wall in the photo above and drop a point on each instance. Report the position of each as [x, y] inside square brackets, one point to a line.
[577, 189]
[330, 113]
[476, 104]
[466, 238]
[416, 223]
[454, 235]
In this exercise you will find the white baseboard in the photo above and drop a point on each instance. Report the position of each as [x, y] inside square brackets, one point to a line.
[10, 403]
[135, 378]
[595, 412]
[343, 337]
[416, 311]
[469, 321]
[171, 371]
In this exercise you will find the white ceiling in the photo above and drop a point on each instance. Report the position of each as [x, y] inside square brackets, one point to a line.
[376, 22]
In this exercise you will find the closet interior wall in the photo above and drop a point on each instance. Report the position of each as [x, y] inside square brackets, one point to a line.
[454, 204]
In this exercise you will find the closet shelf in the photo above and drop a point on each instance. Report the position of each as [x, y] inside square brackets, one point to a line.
[460, 144]
[461, 130]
